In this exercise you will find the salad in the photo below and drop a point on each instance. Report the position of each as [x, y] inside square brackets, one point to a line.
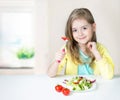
[79, 83]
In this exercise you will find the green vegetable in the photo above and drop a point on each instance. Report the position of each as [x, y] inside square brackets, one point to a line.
[25, 53]
[79, 83]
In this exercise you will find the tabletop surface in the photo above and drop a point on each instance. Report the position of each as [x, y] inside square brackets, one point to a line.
[38, 87]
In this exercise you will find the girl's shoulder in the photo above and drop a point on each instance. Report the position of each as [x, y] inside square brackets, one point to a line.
[100, 45]
[101, 48]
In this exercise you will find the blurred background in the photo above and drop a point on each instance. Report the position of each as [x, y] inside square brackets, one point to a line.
[31, 30]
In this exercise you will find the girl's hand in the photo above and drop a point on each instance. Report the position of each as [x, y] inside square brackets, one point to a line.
[93, 48]
[60, 55]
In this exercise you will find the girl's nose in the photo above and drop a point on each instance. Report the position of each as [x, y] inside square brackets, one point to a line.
[80, 32]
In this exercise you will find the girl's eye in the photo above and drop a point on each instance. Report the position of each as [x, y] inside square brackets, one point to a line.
[84, 28]
[74, 30]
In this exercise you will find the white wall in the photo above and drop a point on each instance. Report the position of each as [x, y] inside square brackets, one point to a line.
[42, 35]
[107, 17]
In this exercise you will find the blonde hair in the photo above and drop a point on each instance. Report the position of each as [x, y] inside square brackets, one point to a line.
[72, 45]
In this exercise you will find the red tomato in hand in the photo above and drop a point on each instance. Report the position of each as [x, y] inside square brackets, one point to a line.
[66, 91]
[58, 88]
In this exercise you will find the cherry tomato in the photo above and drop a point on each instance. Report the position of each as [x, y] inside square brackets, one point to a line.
[66, 91]
[58, 88]
[64, 38]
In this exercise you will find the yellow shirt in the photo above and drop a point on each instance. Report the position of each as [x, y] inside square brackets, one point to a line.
[104, 67]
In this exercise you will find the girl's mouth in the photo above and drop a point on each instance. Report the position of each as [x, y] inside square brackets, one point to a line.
[81, 38]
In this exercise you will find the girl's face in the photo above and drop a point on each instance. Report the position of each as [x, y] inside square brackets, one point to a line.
[82, 31]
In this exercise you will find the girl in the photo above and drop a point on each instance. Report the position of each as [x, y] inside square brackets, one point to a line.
[82, 54]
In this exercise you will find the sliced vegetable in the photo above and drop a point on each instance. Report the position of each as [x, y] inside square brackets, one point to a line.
[64, 38]
[79, 83]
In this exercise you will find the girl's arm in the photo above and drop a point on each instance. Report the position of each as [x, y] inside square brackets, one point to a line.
[53, 68]
[103, 66]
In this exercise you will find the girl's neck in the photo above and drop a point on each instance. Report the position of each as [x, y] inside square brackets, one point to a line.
[83, 48]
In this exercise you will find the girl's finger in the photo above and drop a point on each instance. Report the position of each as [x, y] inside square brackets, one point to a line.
[63, 50]
[89, 45]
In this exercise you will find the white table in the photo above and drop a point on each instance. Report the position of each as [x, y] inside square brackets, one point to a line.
[41, 87]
